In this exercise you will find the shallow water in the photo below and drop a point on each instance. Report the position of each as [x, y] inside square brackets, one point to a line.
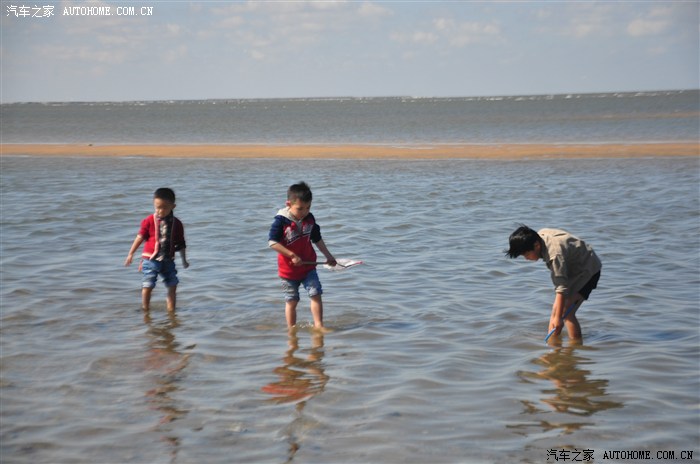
[436, 353]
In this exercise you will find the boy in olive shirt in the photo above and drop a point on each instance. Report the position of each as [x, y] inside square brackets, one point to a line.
[575, 270]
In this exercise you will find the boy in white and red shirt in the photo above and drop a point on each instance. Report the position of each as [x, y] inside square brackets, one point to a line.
[292, 233]
[163, 235]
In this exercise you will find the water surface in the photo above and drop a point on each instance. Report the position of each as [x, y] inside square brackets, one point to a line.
[665, 116]
[436, 354]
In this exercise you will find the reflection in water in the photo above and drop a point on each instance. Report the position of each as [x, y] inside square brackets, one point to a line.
[574, 393]
[300, 379]
[166, 365]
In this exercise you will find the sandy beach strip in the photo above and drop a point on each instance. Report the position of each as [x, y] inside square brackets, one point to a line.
[350, 151]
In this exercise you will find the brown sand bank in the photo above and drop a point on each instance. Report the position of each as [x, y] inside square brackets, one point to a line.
[504, 151]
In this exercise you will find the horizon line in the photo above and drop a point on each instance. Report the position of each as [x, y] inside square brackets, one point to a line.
[349, 97]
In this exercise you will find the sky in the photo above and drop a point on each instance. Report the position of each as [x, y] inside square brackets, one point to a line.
[183, 50]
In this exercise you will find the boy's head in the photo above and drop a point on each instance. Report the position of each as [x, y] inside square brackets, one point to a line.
[299, 200]
[163, 202]
[300, 191]
[524, 241]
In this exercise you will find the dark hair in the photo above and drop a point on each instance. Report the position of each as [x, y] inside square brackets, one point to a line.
[300, 191]
[165, 193]
[522, 241]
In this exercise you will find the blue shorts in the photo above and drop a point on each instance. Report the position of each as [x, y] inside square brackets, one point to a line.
[151, 269]
[310, 283]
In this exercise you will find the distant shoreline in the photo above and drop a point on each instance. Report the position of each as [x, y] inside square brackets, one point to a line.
[504, 151]
[495, 96]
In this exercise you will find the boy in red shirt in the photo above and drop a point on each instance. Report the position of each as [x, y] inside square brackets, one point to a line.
[164, 234]
[292, 233]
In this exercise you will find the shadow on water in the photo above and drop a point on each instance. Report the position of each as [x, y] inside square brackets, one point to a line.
[300, 379]
[569, 397]
[166, 364]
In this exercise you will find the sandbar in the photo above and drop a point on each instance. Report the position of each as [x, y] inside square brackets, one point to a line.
[509, 151]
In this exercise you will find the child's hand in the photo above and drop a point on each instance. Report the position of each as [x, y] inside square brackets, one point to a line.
[296, 260]
[331, 261]
[129, 259]
[185, 264]
[556, 323]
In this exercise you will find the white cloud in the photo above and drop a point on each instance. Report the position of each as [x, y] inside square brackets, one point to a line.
[257, 55]
[373, 10]
[325, 5]
[82, 54]
[277, 29]
[661, 11]
[454, 33]
[417, 37]
[543, 14]
[231, 21]
[656, 21]
[118, 40]
[173, 29]
[465, 33]
[420, 37]
[644, 27]
[175, 54]
[584, 27]
[586, 20]
[658, 50]
[253, 39]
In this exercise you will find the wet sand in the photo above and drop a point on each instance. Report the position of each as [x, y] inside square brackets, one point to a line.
[485, 151]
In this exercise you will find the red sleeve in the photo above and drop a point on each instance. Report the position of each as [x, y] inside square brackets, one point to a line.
[144, 230]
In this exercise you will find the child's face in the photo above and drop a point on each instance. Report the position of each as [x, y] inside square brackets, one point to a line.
[163, 207]
[533, 255]
[299, 209]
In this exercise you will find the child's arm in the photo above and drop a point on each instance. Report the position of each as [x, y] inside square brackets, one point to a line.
[183, 255]
[330, 260]
[180, 244]
[135, 246]
[556, 320]
[284, 251]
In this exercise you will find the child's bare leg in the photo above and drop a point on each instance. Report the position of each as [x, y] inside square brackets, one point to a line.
[573, 327]
[146, 298]
[171, 299]
[290, 311]
[571, 322]
[317, 311]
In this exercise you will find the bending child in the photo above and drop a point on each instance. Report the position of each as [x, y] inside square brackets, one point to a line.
[574, 266]
[163, 234]
[292, 233]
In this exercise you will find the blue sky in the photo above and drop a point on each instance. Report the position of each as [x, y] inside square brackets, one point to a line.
[226, 49]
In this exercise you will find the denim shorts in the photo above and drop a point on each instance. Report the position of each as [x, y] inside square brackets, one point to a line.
[310, 283]
[151, 269]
